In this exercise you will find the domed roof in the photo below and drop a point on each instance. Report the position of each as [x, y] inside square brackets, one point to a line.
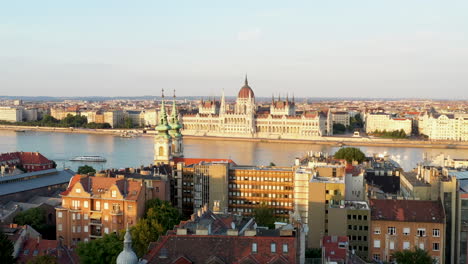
[127, 256]
[245, 91]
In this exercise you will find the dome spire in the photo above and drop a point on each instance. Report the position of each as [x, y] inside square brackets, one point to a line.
[246, 82]
[127, 256]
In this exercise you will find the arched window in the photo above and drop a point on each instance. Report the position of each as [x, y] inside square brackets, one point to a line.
[161, 151]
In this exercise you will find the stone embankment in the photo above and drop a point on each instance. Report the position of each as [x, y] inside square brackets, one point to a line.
[331, 140]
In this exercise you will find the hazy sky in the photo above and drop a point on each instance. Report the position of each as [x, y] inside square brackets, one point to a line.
[311, 48]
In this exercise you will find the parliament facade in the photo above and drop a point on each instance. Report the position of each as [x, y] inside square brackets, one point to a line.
[244, 120]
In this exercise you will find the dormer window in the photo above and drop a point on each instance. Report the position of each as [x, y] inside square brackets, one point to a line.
[114, 194]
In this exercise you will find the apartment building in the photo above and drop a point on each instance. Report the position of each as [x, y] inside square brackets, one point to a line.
[382, 121]
[444, 126]
[341, 118]
[114, 117]
[405, 224]
[352, 220]
[11, 114]
[94, 206]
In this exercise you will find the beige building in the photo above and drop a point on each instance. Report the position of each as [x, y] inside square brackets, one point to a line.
[115, 118]
[150, 117]
[382, 121]
[61, 113]
[11, 114]
[94, 206]
[341, 118]
[444, 126]
[244, 121]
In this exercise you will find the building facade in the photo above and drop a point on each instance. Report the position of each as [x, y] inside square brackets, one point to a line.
[245, 121]
[11, 114]
[385, 122]
[94, 206]
[444, 126]
[405, 224]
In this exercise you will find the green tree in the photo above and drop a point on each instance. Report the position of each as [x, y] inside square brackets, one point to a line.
[85, 169]
[272, 164]
[159, 217]
[417, 255]
[102, 250]
[6, 249]
[264, 215]
[45, 259]
[37, 219]
[339, 129]
[350, 154]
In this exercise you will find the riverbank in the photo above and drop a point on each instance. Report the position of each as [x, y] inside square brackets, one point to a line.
[330, 141]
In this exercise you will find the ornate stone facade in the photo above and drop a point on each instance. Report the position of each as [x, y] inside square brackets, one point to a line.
[245, 121]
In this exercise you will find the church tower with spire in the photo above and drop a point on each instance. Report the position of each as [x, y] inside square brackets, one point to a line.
[127, 256]
[174, 132]
[162, 140]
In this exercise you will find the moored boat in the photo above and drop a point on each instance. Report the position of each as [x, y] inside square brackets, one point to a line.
[89, 159]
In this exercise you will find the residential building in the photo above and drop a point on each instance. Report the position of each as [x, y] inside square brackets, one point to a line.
[11, 114]
[114, 118]
[341, 118]
[384, 173]
[444, 126]
[335, 249]
[405, 224]
[230, 239]
[29, 161]
[385, 122]
[94, 206]
[353, 221]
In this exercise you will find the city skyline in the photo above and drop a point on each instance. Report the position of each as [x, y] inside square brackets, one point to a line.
[367, 49]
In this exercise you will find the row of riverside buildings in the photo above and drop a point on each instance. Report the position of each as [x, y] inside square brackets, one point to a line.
[370, 210]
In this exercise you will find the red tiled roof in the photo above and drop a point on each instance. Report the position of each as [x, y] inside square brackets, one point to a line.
[33, 158]
[190, 161]
[96, 185]
[35, 248]
[407, 210]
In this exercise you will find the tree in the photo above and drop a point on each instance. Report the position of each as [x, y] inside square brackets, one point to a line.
[45, 259]
[339, 129]
[272, 164]
[417, 255]
[37, 219]
[85, 169]
[6, 249]
[159, 217]
[350, 154]
[264, 215]
[102, 250]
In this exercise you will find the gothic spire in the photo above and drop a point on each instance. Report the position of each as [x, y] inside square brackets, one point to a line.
[246, 82]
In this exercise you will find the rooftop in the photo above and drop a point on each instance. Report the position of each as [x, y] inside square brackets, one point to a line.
[13, 184]
[407, 210]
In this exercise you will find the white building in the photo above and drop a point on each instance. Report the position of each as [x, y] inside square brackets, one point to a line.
[244, 121]
[444, 126]
[341, 118]
[382, 121]
[11, 114]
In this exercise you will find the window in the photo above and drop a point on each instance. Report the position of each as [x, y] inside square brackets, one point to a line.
[85, 229]
[73, 229]
[435, 246]
[273, 247]
[392, 245]
[59, 227]
[376, 243]
[98, 205]
[75, 204]
[392, 230]
[78, 190]
[406, 245]
[377, 230]
[85, 216]
[114, 193]
[106, 230]
[78, 216]
[85, 204]
[254, 247]
[73, 216]
[78, 229]
[59, 214]
[421, 246]
[406, 231]
[421, 232]
[376, 256]
[106, 206]
[285, 248]
[436, 232]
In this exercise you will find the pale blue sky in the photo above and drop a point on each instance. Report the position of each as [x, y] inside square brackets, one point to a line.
[332, 48]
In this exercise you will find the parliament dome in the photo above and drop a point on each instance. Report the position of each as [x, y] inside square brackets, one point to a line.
[246, 91]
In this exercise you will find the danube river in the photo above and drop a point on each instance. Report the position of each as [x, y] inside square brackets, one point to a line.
[133, 152]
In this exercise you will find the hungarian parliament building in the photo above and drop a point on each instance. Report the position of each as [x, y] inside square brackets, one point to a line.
[244, 120]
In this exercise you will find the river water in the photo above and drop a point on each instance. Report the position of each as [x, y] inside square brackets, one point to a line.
[133, 152]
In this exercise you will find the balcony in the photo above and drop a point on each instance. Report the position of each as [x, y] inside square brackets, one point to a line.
[116, 212]
[95, 222]
[95, 232]
[75, 209]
